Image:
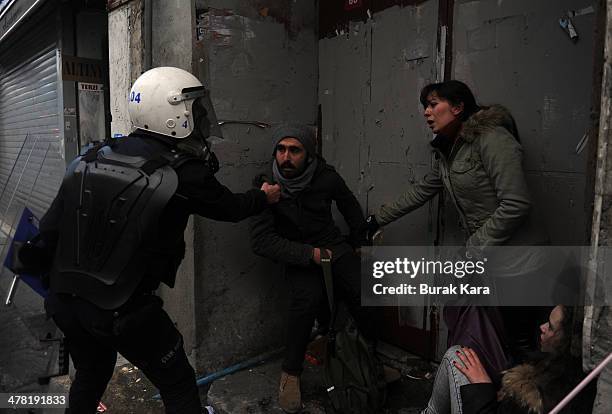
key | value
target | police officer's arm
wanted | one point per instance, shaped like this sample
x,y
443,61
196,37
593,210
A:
x,y
266,242
209,198
350,209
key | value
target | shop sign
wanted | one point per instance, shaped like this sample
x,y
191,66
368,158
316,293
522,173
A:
x,y
82,70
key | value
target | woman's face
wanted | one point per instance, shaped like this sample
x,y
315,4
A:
x,y
441,116
551,332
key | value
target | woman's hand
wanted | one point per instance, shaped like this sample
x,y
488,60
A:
x,y
371,227
472,368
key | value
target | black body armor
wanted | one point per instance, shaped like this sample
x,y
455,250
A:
x,y
112,204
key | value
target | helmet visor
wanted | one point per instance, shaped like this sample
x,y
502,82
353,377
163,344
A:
x,y
204,116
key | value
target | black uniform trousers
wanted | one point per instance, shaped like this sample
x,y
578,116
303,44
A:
x,y
142,332
308,301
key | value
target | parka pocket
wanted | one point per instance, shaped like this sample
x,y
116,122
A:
x,y
463,166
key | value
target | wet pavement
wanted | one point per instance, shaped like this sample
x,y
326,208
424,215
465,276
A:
x,y
23,357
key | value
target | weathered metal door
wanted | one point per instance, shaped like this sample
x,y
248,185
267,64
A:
x,y
373,131
516,53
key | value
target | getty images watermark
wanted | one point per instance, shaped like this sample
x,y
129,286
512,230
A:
x,y
504,276
418,268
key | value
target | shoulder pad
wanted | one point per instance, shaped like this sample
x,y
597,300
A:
x,y
178,158
106,154
92,153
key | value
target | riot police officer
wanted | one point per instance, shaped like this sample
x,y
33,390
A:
x,y
116,230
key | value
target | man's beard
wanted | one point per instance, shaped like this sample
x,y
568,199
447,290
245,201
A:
x,y
291,171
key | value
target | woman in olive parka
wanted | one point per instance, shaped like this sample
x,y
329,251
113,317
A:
x,y
479,165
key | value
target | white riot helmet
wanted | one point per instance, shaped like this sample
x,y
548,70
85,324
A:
x,y
172,102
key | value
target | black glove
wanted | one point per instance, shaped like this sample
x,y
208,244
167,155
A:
x,y
371,227
31,258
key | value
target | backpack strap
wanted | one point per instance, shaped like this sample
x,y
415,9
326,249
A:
x,y
329,283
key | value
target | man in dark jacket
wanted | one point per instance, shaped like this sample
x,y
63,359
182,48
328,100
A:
x,y
116,232
295,231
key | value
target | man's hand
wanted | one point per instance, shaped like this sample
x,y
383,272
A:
x,y
316,255
472,368
272,192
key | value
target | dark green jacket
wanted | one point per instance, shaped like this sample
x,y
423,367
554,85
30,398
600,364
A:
x,y
483,175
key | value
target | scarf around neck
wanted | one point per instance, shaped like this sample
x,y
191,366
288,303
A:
x,y
292,187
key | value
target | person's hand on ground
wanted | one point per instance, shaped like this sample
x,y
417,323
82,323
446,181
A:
x,y
471,366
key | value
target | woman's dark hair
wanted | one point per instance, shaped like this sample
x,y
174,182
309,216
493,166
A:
x,y
566,326
559,371
455,92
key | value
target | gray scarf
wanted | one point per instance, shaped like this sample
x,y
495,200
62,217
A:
x,y
292,187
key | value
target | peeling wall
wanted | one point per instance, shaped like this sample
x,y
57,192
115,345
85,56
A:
x,y
259,58
173,33
126,46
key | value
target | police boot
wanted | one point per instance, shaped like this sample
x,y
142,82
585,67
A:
x,y
289,395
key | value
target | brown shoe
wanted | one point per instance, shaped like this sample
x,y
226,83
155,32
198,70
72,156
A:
x,y
289,395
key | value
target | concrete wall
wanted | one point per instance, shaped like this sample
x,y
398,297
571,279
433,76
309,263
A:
x,y
126,48
172,41
259,58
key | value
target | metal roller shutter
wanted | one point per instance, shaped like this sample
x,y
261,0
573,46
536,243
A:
x,y
31,146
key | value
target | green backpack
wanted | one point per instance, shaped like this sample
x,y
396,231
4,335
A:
x,y
354,375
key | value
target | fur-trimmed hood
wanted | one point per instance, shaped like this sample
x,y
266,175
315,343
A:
x,y
487,118
531,388
521,384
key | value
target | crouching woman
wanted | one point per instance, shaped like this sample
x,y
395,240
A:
x,y
462,384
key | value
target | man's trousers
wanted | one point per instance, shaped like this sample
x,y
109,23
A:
x,y
142,332
308,298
